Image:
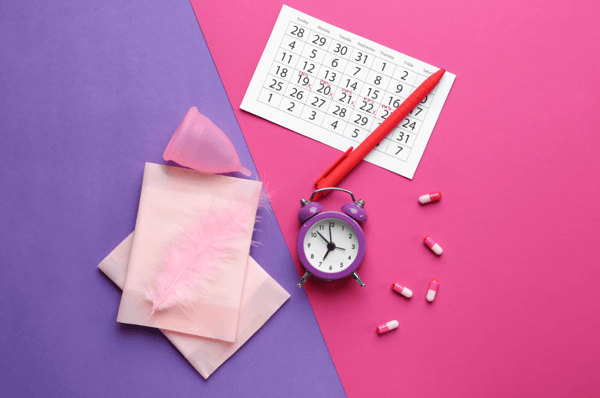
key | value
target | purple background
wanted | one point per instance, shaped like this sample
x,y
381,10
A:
x,y
88,93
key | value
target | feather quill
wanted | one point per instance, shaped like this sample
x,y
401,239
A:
x,y
198,252
263,205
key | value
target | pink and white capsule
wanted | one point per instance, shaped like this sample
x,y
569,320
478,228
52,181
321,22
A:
x,y
403,290
433,287
437,249
386,327
432,197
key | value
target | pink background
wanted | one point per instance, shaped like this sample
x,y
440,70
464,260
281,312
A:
x,y
516,155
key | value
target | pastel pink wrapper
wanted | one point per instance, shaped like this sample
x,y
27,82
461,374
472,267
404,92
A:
x,y
172,201
262,297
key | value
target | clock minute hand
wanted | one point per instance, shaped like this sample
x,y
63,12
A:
x,y
322,237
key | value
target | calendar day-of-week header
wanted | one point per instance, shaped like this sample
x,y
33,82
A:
x,y
366,47
324,29
304,21
386,55
345,38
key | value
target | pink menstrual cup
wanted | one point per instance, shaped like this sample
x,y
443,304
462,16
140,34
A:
x,y
200,145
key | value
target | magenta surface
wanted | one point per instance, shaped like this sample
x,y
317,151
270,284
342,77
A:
x,y
515,154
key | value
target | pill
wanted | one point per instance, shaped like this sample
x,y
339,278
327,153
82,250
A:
x,y
433,287
437,249
406,292
432,197
386,327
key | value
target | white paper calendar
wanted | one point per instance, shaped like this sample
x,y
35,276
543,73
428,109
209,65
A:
x,y
336,87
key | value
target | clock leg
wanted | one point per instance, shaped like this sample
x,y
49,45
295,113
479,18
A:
x,y
355,275
304,278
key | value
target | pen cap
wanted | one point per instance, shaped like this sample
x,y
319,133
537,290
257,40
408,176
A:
x,y
200,145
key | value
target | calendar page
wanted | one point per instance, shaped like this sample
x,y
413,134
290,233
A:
x,y
336,87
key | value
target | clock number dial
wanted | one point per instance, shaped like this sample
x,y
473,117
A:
x,y
331,245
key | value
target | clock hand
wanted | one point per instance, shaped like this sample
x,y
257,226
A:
x,y
326,254
340,248
330,240
322,237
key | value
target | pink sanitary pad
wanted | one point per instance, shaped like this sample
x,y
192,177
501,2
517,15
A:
x,y
183,212
261,297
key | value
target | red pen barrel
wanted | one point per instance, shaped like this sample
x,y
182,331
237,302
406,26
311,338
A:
x,y
348,161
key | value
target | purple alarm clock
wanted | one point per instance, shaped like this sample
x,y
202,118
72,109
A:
x,y
331,245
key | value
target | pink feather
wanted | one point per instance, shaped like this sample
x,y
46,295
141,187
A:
x,y
264,204
201,249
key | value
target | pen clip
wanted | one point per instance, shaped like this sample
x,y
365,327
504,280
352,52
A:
x,y
332,167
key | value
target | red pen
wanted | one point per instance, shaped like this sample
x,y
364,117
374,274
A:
x,y
334,174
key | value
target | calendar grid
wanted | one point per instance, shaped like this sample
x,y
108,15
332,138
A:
x,y
357,122
345,87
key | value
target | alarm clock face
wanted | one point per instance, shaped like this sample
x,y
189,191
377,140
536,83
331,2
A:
x,y
333,245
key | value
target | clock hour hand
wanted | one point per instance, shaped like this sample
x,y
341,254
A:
x,y
340,248
322,237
